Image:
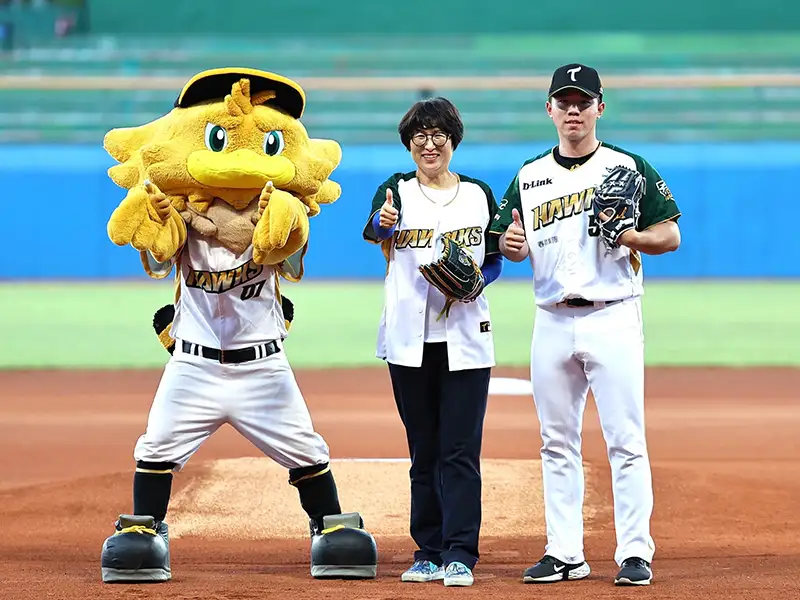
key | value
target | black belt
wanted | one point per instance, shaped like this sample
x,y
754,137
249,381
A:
x,y
239,355
580,302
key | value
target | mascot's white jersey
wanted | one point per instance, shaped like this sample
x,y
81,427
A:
x,y
226,301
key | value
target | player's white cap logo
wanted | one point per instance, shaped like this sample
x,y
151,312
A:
x,y
572,73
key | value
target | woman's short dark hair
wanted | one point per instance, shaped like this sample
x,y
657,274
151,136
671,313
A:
x,y
430,114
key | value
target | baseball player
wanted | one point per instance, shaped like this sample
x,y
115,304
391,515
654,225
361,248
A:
x,y
439,356
228,364
587,276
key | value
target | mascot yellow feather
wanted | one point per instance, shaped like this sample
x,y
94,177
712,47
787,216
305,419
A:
x,y
232,161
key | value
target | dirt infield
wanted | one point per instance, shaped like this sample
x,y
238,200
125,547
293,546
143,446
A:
x,y
725,449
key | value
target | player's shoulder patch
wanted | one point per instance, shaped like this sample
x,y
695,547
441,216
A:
x,y
664,190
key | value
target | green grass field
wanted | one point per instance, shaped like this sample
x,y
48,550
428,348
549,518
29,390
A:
x,y
109,325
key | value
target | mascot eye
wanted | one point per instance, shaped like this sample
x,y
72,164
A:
x,y
273,143
216,137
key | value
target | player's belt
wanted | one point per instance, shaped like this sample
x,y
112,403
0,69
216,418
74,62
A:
x,y
580,302
239,355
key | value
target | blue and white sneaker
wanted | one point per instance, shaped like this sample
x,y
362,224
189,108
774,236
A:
x,y
458,574
423,571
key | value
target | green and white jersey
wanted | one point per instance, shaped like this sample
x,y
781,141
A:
x,y
411,304
568,258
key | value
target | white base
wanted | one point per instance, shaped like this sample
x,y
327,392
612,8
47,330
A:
x,y
507,386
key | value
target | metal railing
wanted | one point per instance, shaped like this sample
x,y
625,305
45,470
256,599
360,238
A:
x,y
364,84
695,106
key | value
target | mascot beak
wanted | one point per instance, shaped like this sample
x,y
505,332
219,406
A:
x,y
241,169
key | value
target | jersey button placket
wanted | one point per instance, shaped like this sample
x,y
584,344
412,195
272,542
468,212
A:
x,y
571,261
422,292
437,210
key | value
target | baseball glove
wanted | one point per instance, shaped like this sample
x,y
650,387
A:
x,y
455,273
618,198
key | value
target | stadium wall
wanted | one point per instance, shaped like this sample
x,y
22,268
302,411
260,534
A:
x,y
736,201
364,17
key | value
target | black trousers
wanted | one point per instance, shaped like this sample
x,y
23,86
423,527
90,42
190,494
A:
x,y
443,413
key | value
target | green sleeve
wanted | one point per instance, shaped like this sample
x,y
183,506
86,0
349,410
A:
x,y
492,242
657,204
510,201
377,201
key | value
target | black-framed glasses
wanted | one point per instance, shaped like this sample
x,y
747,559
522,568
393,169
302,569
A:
x,y
439,138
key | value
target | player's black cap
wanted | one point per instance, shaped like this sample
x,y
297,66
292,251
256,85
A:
x,y
576,76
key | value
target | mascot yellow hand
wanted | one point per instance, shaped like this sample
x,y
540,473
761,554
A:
x,y
146,220
282,227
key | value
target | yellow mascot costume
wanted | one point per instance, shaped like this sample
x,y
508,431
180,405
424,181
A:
x,y
221,189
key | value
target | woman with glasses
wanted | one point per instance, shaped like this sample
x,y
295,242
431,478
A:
x,y
439,365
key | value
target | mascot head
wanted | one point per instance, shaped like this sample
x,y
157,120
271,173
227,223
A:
x,y
229,133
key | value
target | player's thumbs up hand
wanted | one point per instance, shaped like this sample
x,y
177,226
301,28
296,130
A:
x,y
263,199
514,237
388,215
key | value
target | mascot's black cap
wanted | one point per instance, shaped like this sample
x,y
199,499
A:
x,y
217,83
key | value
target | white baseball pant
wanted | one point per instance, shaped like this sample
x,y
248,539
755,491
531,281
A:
x,y
573,349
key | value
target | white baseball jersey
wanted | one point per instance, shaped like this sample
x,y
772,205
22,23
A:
x,y
411,304
226,300
569,260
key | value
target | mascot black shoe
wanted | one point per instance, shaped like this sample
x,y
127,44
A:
x,y
343,549
137,552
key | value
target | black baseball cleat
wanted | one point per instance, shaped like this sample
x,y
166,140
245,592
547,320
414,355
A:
x,y
550,570
634,571
137,552
343,549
